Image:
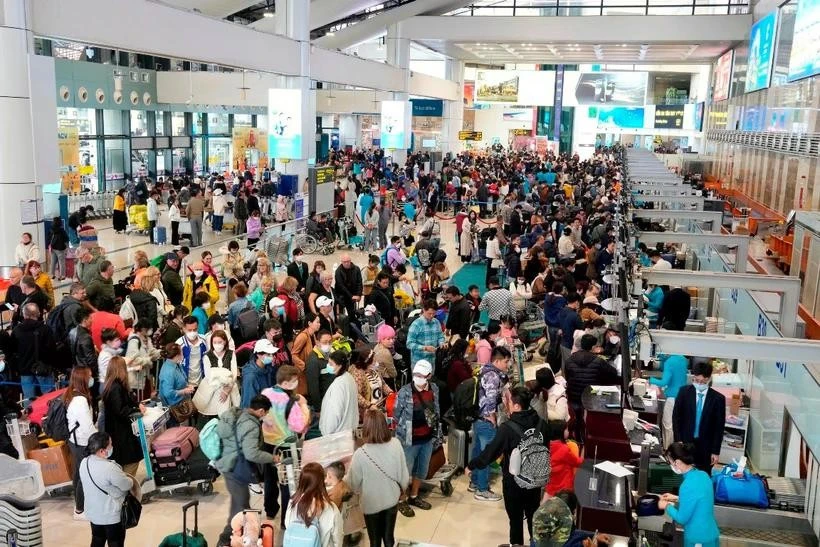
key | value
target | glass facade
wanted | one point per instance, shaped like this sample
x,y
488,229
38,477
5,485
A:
x,y
569,8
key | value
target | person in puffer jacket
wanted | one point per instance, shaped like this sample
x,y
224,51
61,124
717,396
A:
x,y
520,503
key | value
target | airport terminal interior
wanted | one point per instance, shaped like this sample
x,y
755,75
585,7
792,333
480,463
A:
x,y
412,273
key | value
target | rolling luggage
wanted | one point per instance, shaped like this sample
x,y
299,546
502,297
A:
x,y
174,445
160,235
437,461
39,407
186,539
457,447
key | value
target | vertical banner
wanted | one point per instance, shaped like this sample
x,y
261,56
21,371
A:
x,y
250,148
285,124
559,103
68,143
395,123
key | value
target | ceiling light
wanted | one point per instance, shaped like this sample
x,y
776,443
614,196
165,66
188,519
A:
x,y
623,45
330,33
267,13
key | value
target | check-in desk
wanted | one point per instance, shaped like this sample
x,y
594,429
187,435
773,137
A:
x,y
604,426
608,508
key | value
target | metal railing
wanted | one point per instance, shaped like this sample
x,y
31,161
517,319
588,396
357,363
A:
x,y
568,8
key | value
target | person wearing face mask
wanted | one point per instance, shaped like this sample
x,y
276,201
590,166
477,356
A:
x,y
340,407
173,382
105,486
317,374
199,282
201,304
383,354
417,418
218,392
694,506
26,250
298,270
141,356
257,374
395,254
675,369
78,402
111,347
698,417
370,384
194,349
288,418
119,404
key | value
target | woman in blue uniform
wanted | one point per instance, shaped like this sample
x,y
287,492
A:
x,y
694,507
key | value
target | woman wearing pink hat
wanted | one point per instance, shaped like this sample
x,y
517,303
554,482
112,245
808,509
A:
x,y
383,354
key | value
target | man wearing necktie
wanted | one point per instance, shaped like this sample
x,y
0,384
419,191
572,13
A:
x,y
699,417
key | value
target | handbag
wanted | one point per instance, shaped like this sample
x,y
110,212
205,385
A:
x,y
748,489
131,509
244,471
183,411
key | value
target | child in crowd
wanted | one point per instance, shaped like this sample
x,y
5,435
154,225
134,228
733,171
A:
x,y
337,489
564,459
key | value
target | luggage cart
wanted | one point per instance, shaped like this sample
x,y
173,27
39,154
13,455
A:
x,y
145,431
17,429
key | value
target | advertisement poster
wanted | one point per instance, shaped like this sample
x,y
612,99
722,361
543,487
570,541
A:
x,y
805,55
723,76
428,123
761,53
496,86
285,124
698,125
669,116
68,143
469,94
394,125
621,88
620,118
250,148
468,123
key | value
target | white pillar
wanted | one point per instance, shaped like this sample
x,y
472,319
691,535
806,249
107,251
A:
x,y
293,21
398,55
453,110
18,165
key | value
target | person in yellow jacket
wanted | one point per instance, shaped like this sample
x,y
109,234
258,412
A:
x,y
35,270
199,282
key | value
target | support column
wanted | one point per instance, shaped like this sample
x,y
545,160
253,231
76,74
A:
x,y
398,54
18,176
293,21
453,110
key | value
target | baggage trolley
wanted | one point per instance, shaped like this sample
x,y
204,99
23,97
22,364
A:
x,y
146,431
288,468
17,429
441,477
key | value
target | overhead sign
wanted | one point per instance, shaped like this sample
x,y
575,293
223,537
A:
x,y
669,116
804,60
285,123
470,136
324,175
723,76
428,107
522,132
761,53
395,123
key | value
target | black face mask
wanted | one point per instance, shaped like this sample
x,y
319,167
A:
x,y
276,338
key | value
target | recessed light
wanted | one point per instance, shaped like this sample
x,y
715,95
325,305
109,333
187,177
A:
x,y
267,13
623,45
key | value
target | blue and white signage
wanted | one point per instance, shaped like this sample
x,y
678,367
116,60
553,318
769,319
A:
x,y
804,60
285,124
394,124
761,53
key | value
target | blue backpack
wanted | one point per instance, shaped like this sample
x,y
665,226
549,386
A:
x,y
209,441
298,534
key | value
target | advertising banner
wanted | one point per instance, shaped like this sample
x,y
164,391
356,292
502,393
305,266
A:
x,y
615,88
285,124
496,86
761,53
470,135
394,122
804,60
620,118
669,116
468,123
723,76
428,123
469,94
559,102
428,107
68,143
249,143
698,125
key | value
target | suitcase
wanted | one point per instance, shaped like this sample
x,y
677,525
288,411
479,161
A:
x,y
530,331
174,445
457,447
268,535
39,407
160,235
437,461
185,539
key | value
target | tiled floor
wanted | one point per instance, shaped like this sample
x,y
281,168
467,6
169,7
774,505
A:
x,y
443,525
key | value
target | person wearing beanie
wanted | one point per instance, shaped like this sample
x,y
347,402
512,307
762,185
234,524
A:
x,y
383,354
417,418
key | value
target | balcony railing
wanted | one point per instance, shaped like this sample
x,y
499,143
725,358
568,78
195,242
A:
x,y
553,8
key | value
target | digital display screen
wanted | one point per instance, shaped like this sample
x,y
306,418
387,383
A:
x,y
805,55
761,53
620,117
395,115
723,76
285,124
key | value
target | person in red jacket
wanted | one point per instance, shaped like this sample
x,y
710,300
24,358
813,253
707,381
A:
x,y
564,461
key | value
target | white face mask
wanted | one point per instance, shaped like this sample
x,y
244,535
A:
x,y
218,347
419,382
675,469
325,348
206,306
109,452
90,382
614,340
2,366
198,273
193,335
701,388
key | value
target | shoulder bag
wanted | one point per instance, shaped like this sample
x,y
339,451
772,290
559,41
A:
x,y
383,472
131,507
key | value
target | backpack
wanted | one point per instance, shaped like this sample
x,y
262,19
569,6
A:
x,y
55,422
530,460
56,324
209,441
383,258
298,534
465,403
248,323
127,311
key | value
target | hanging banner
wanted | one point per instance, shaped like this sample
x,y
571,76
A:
x,y
394,124
559,103
68,143
761,53
468,122
469,94
723,76
285,124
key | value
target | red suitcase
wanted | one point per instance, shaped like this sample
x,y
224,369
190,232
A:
x,y
175,445
39,406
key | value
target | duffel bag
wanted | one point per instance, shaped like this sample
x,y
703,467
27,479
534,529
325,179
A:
x,y
746,489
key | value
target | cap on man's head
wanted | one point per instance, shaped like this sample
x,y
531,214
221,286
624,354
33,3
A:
x,y
423,367
171,256
264,346
323,301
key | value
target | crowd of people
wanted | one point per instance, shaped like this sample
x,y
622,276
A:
x,y
302,351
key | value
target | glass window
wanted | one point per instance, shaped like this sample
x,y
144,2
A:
x,y
219,155
160,123
178,124
199,128
199,166
262,121
180,161
217,124
84,118
140,163
116,152
242,120
162,167
112,122
139,123
88,164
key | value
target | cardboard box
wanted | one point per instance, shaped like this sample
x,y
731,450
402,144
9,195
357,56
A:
x,y
55,462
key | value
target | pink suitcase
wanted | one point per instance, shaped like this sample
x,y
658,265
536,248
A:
x,y
175,445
